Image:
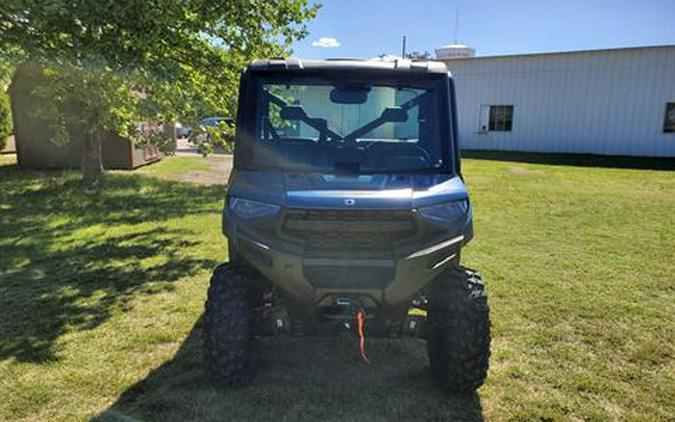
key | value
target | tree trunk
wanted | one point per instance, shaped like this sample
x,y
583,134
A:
x,y
92,160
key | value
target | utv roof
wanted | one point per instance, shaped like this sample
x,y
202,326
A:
x,y
297,65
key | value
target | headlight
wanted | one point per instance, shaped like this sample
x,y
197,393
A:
x,y
445,213
248,209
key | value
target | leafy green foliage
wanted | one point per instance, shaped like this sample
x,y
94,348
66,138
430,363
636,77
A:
x,y
5,119
120,62
89,101
9,57
207,138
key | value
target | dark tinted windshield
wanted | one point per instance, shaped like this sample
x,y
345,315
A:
x,y
350,125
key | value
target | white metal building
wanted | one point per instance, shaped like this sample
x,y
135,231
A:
x,y
611,102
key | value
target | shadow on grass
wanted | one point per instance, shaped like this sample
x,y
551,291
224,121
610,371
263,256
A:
x,y
70,257
299,379
578,160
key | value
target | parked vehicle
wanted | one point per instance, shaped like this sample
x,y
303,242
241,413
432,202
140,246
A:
x,y
209,124
347,211
183,131
213,121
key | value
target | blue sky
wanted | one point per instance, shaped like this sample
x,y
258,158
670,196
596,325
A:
x,y
366,28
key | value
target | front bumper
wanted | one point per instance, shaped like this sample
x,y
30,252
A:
x,y
300,276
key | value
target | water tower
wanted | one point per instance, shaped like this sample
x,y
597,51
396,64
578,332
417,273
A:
x,y
454,51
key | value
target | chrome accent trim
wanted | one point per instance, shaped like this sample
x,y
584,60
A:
x,y
436,247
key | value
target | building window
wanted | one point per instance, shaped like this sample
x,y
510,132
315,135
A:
x,y
669,119
501,118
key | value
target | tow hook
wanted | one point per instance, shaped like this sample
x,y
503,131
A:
x,y
359,323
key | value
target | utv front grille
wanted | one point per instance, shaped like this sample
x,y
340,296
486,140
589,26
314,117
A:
x,y
368,277
338,234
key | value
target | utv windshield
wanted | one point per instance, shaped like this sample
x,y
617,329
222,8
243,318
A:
x,y
347,125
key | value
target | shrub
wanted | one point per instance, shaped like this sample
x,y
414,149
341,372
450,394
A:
x,y
5,119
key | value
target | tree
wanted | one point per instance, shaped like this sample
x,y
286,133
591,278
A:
x,y
120,62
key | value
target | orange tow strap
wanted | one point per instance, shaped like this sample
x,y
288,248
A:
x,y
360,322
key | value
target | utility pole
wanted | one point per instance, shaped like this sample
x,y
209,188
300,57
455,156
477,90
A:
x,y
403,49
456,23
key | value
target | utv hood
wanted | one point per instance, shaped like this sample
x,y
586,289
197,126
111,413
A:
x,y
338,191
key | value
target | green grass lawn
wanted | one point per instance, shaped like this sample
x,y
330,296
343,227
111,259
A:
x,y
101,295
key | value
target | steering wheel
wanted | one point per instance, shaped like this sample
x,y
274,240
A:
x,y
389,151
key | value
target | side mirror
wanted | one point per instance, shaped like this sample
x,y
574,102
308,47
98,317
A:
x,y
394,114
